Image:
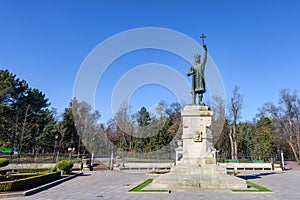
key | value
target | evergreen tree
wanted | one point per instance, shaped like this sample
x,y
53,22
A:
x,y
24,112
263,146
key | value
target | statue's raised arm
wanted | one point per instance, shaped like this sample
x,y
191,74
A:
x,y
202,65
205,54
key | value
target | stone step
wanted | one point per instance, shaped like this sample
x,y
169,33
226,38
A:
x,y
168,181
199,169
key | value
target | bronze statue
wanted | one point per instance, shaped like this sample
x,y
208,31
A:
x,y
197,72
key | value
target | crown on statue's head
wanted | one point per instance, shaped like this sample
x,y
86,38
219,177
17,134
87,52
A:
x,y
197,57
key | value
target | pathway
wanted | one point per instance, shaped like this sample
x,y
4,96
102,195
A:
x,y
292,165
114,185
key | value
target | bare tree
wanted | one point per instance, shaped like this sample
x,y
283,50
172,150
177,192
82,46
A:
x,y
125,124
24,127
85,120
219,117
236,102
286,117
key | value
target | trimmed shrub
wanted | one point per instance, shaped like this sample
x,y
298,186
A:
x,y
221,160
65,165
4,162
2,177
4,171
53,169
12,177
32,170
30,182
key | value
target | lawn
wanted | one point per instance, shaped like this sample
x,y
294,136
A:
x,y
141,186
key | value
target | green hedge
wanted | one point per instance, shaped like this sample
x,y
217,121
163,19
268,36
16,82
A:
x,y
30,182
33,170
244,160
4,162
53,169
221,160
65,165
4,171
12,177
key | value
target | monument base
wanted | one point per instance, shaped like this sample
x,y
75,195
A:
x,y
207,176
197,168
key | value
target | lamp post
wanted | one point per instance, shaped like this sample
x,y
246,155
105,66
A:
x,y
55,142
70,152
92,159
216,155
57,152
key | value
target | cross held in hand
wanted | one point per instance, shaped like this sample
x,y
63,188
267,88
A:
x,y
202,37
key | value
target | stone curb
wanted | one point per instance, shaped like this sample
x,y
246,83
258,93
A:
x,y
40,188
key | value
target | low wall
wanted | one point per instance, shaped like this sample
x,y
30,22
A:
x,y
247,166
146,166
29,165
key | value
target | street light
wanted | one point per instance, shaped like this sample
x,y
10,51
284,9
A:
x,y
56,137
57,152
92,159
70,152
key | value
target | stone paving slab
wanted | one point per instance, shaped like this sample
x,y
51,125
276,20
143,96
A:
x,y
115,185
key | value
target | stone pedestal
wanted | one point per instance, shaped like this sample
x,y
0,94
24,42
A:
x,y
197,137
197,168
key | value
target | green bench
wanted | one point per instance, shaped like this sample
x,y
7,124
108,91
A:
x,y
257,161
6,150
232,161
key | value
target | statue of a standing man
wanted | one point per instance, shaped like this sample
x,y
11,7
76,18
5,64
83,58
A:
x,y
198,79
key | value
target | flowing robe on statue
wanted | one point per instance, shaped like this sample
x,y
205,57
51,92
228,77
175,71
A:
x,y
198,80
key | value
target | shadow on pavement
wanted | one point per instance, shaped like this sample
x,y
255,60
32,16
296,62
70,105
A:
x,y
85,174
255,176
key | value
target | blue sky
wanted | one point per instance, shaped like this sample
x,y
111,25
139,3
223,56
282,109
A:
x,y
255,45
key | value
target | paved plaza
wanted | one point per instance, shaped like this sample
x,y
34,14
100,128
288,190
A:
x,y
115,185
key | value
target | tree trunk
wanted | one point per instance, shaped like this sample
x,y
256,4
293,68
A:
x,y
235,149
36,154
294,151
23,132
231,143
298,142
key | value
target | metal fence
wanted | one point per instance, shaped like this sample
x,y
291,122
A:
x,y
158,156
41,158
249,157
